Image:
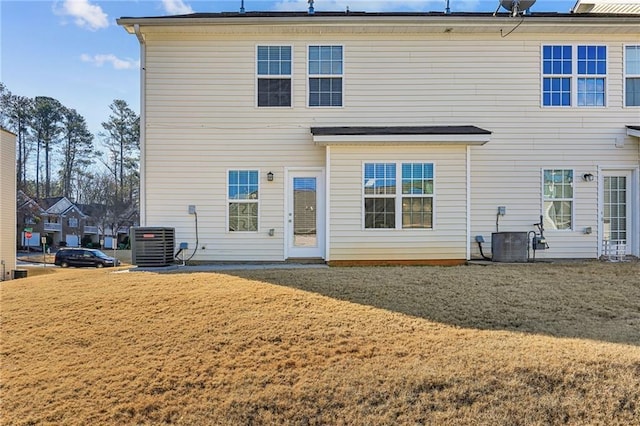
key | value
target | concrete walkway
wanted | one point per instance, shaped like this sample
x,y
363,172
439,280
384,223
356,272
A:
x,y
221,267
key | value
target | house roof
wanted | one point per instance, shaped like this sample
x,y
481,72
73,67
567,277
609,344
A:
x,y
466,135
24,201
457,22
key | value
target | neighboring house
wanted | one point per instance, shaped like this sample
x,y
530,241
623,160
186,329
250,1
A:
x,y
65,223
7,206
607,6
405,132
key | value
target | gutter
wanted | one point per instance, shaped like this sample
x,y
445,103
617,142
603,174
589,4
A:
x,y
386,24
143,126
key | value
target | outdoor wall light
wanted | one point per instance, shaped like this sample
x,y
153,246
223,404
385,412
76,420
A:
x,y
587,177
270,176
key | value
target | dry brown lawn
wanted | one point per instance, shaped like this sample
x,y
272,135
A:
x,y
532,344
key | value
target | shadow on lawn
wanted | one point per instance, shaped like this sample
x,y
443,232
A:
x,y
591,300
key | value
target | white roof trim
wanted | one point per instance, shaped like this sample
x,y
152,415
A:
x,y
457,139
633,132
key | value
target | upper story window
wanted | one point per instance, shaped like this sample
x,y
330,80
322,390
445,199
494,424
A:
x,y
325,76
242,199
73,222
274,76
558,198
632,75
574,75
398,195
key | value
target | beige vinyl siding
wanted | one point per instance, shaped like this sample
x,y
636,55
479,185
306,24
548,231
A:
x,y
7,203
349,239
201,120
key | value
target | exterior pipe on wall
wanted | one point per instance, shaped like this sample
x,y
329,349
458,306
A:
x,y
143,84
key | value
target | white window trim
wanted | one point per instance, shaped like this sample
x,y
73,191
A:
x,y
573,199
398,196
574,76
230,200
625,75
325,76
269,76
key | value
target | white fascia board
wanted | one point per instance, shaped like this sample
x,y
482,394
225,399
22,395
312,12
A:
x,y
476,140
633,132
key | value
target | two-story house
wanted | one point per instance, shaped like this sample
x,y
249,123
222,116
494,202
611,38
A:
x,y
7,207
357,137
60,221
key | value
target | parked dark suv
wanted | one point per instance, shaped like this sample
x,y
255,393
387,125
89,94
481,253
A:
x,y
84,257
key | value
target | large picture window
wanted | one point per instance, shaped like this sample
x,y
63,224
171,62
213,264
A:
x,y
242,198
574,75
558,198
407,188
632,75
325,76
274,76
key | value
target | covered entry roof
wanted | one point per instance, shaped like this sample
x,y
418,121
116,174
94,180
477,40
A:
x,y
633,131
366,135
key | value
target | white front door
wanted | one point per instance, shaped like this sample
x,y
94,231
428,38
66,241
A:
x,y
305,213
616,215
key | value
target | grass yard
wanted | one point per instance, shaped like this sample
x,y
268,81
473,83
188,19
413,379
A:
x,y
530,344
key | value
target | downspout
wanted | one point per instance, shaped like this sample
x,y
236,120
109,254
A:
x,y
143,127
468,177
327,205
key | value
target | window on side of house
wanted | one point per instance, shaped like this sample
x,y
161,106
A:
x,y
592,71
326,73
242,199
417,195
632,76
574,76
558,199
379,195
274,73
73,222
398,195
556,70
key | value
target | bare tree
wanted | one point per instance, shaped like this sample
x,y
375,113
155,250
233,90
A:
x,y
122,140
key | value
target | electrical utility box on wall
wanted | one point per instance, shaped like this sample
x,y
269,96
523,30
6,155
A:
x,y
152,246
509,246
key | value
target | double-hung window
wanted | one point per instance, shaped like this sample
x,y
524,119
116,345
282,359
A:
x,y
417,195
632,75
274,76
242,199
398,195
325,76
574,75
558,198
380,195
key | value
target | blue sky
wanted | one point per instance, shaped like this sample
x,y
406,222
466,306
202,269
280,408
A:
x,y
74,51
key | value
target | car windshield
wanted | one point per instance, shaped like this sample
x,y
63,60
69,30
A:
x,y
101,255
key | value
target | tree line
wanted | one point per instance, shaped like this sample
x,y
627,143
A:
x,y
57,155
